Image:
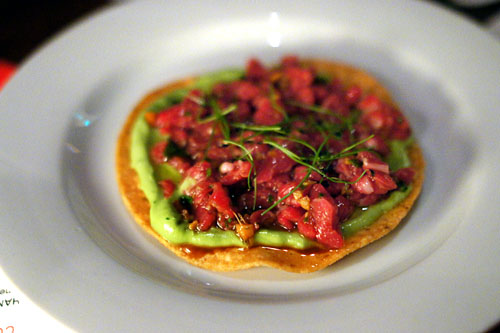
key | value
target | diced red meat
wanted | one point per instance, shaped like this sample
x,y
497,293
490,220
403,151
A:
x,y
336,145
384,119
298,78
372,162
370,103
289,216
377,144
180,164
406,175
204,213
345,207
276,182
305,95
242,112
324,217
290,61
335,103
284,190
319,191
383,182
173,117
205,216
255,70
352,95
275,163
157,152
192,104
245,91
377,120
168,187
223,91
200,192
306,228
179,136
299,124
258,219
257,150
233,172
364,185
347,170
301,171
265,198
220,200
375,182
335,86
401,129
223,153
335,188
364,200
199,171
265,113
166,119
320,93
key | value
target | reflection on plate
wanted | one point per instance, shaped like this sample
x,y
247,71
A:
x,y
58,170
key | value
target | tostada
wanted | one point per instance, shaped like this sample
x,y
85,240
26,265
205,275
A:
x,y
291,166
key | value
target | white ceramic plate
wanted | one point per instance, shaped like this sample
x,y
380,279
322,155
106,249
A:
x,y
68,242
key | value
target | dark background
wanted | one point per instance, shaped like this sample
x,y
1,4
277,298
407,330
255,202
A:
x,y
25,25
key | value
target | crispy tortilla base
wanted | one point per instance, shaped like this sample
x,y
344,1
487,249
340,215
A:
x,y
231,259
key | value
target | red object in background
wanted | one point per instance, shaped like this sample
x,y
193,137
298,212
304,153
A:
x,y
7,69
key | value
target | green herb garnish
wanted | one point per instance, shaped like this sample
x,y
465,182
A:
x,y
217,112
259,128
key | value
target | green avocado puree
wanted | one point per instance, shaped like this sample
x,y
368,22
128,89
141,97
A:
x,y
166,221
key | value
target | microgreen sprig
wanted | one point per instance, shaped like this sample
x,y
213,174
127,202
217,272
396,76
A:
x,y
218,113
355,144
259,128
302,142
